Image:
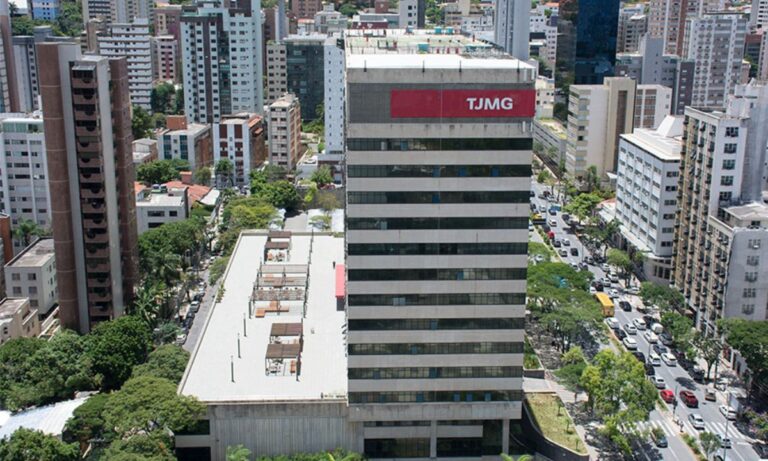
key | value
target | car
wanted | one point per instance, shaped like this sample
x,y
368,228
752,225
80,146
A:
x,y
630,329
612,323
563,252
620,334
552,212
194,306
659,439
689,398
696,421
181,339
657,328
614,278
533,194
211,259
725,442
605,281
589,260
639,324
651,337
709,394
553,223
654,359
199,296
667,395
530,226
669,359
630,343
534,207
582,265
557,243
613,293
638,355
566,217
575,266
649,370
648,319
592,290
606,267
538,258
542,208
566,242
659,382
625,306
598,285
728,412
575,252
666,339
633,290
659,349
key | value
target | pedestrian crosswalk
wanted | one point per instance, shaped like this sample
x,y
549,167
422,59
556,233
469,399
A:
x,y
671,429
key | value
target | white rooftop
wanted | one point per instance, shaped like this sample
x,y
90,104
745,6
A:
x,y
664,142
431,61
49,419
323,371
174,197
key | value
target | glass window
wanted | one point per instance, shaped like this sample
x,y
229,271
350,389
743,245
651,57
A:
x,y
441,299
437,324
436,144
439,197
435,348
436,223
437,274
437,248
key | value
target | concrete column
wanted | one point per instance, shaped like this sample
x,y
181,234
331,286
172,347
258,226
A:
x,y
433,440
505,436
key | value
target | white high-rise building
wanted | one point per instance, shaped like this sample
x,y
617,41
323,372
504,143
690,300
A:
x,y
334,97
715,43
513,27
132,41
652,104
540,23
411,13
221,54
758,17
667,20
24,191
633,24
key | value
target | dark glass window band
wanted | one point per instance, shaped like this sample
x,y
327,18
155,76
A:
x,y
436,223
439,197
361,275
436,299
389,144
434,372
436,324
383,249
435,348
438,171
435,396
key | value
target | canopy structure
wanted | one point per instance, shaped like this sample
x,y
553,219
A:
x,y
285,329
340,285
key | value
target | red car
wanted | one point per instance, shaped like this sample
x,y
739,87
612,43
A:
x,y
689,399
667,395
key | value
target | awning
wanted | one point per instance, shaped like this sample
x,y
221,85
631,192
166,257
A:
x,y
279,234
340,288
277,245
283,351
286,329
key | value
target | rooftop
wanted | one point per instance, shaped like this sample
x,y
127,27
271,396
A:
x,y
173,197
49,419
35,255
664,142
263,371
195,192
749,212
9,306
192,129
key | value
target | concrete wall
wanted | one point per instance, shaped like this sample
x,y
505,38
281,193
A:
x,y
544,446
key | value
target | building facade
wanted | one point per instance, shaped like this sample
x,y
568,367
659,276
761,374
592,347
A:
x,y
633,24
411,13
667,20
165,58
277,71
132,41
333,104
161,205
27,68
513,27
88,140
285,132
17,319
652,104
32,274
306,9
222,63
167,20
242,139
305,62
45,10
186,141
436,221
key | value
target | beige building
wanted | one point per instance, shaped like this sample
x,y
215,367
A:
x,y
32,274
17,319
285,131
277,71
652,104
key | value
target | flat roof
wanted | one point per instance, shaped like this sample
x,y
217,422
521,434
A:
x,y
751,211
432,61
174,197
35,255
9,306
323,362
653,142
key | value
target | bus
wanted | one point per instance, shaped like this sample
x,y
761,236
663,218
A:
x,y
605,303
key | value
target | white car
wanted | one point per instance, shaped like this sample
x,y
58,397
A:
x,y
613,293
566,243
654,359
669,359
639,323
728,412
696,421
659,382
630,343
592,290
606,268
552,223
725,442
651,337
612,323
614,278
630,329
181,339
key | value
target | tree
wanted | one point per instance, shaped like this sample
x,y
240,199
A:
x,y
141,123
322,176
217,269
709,349
203,176
348,9
679,327
583,206
150,446
620,259
87,422
574,355
281,194
25,229
238,453
592,179
115,347
14,366
69,21
224,171
22,25
322,221
327,202
179,105
147,402
26,445
161,99
158,171
543,176
168,361
664,297
750,338
709,442
537,248
145,304
619,393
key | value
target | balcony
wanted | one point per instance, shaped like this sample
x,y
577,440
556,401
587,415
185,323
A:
x,y
100,311
83,82
102,268
92,193
103,297
88,160
86,146
92,207
99,282
93,237
87,98
95,223
90,178
95,250
87,131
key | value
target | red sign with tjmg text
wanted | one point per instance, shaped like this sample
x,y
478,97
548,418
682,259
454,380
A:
x,y
462,103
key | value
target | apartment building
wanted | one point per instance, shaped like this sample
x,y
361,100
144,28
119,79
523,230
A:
x,y
715,43
167,19
305,62
512,23
277,71
285,132
306,9
24,177
330,21
241,138
333,99
646,193
633,24
144,151
165,58
667,20
159,205
758,17
185,141
9,93
45,10
652,104
88,140
411,13
437,213
546,26
32,274
26,66
545,97
132,41
17,320
118,11
222,63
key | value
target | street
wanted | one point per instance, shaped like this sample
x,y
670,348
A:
x,y
676,377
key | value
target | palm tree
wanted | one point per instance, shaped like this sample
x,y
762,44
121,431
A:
x,y
165,267
145,304
506,457
225,168
25,229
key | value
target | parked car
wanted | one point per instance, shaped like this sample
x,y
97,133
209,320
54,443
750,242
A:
x,y
181,339
557,243
620,334
612,323
659,439
630,343
630,329
614,293
614,277
728,412
552,223
639,324
606,267
625,306
563,252
589,260
698,374
659,382
592,290
709,394
654,359
566,242
689,398
669,359
194,306
651,337
553,212
667,395
657,328
574,251
666,339
696,421
660,349
638,355
649,370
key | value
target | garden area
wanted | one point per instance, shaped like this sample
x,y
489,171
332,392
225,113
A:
x,y
554,421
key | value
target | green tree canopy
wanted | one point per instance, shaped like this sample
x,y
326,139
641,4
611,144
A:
x,y
161,98
750,338
168,361
151,446
117,346
147,402
160,171
203,176
322,176
664,297
25,230
26,445
620,260
583,206
141,123
710,443
281,194
87,422
678,326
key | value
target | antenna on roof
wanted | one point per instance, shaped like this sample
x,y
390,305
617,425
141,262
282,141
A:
x,y
423,66
459,66
238,346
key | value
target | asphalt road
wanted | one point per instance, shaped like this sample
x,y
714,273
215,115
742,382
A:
x,y
676,377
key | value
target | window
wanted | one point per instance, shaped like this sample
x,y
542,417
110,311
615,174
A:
x,y
753,260
432,396
17,291
748,309
440,144
725,196
435,372
437,274
437,171
749,293
436,223
726,181
16,277
670,202
750,276
754,243
435,348
436,299
440,197
732,131
31,277
437,248
33,290
729,164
